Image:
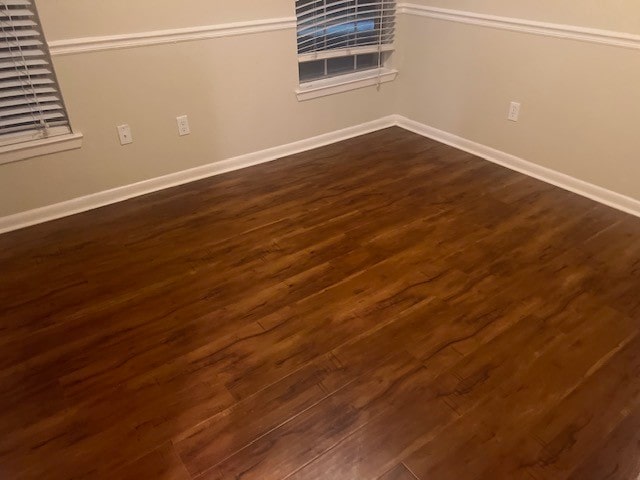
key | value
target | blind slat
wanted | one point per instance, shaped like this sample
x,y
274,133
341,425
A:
x,y
18,134
19,63
17,44
26,90
18,33
26,83
13,13
314,7
21,71
18,22
344,52
347,32
23,53
19,3
31,108
26,98
29,119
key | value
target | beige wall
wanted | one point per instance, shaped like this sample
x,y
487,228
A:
x,y
580,101
64,19
238,92
619,15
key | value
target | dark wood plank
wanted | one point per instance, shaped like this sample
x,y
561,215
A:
x,y
161,464
286,449
209,443
400,472
617,457
382,308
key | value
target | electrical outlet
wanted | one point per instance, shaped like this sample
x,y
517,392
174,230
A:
x,y
124,132
183,125
514,111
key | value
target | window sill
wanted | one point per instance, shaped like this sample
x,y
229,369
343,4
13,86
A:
x,y
344,83
35,148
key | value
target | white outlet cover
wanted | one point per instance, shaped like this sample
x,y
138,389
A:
x,y
124,132
183,125
514,111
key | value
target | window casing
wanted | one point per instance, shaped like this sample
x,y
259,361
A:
x,y
338,37
31,105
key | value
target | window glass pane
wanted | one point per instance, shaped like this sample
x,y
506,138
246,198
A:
x,y
369,60
311,70
336,66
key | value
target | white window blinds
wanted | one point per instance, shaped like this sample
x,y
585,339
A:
x,y
31,106
339,36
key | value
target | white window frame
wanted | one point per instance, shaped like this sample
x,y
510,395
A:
x,y
36,148
345,83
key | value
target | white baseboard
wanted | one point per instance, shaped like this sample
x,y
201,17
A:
x,y
566,182
108,197
100,199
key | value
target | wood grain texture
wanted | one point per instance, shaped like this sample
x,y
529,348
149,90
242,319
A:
x,y
383,308
400,472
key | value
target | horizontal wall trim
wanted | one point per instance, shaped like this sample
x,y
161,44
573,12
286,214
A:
x,y
566,182
159,37
547,29
108,197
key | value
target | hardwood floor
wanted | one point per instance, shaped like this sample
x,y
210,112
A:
x,y
384,308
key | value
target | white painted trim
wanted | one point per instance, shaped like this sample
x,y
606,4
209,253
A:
x,y
566,182
108,197
345,52
36,148
344,83
32,135
159,37
100,199
547,29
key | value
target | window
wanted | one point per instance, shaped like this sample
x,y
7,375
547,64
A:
x,y
338,37
31,107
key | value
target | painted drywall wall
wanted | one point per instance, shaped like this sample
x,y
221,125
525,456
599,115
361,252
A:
x,y
238,92
66,19
618,15
579,100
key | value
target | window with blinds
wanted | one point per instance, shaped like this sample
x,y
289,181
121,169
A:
x,y
31,106
336,37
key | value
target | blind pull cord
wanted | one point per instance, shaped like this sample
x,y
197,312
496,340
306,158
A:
x,y
380,27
